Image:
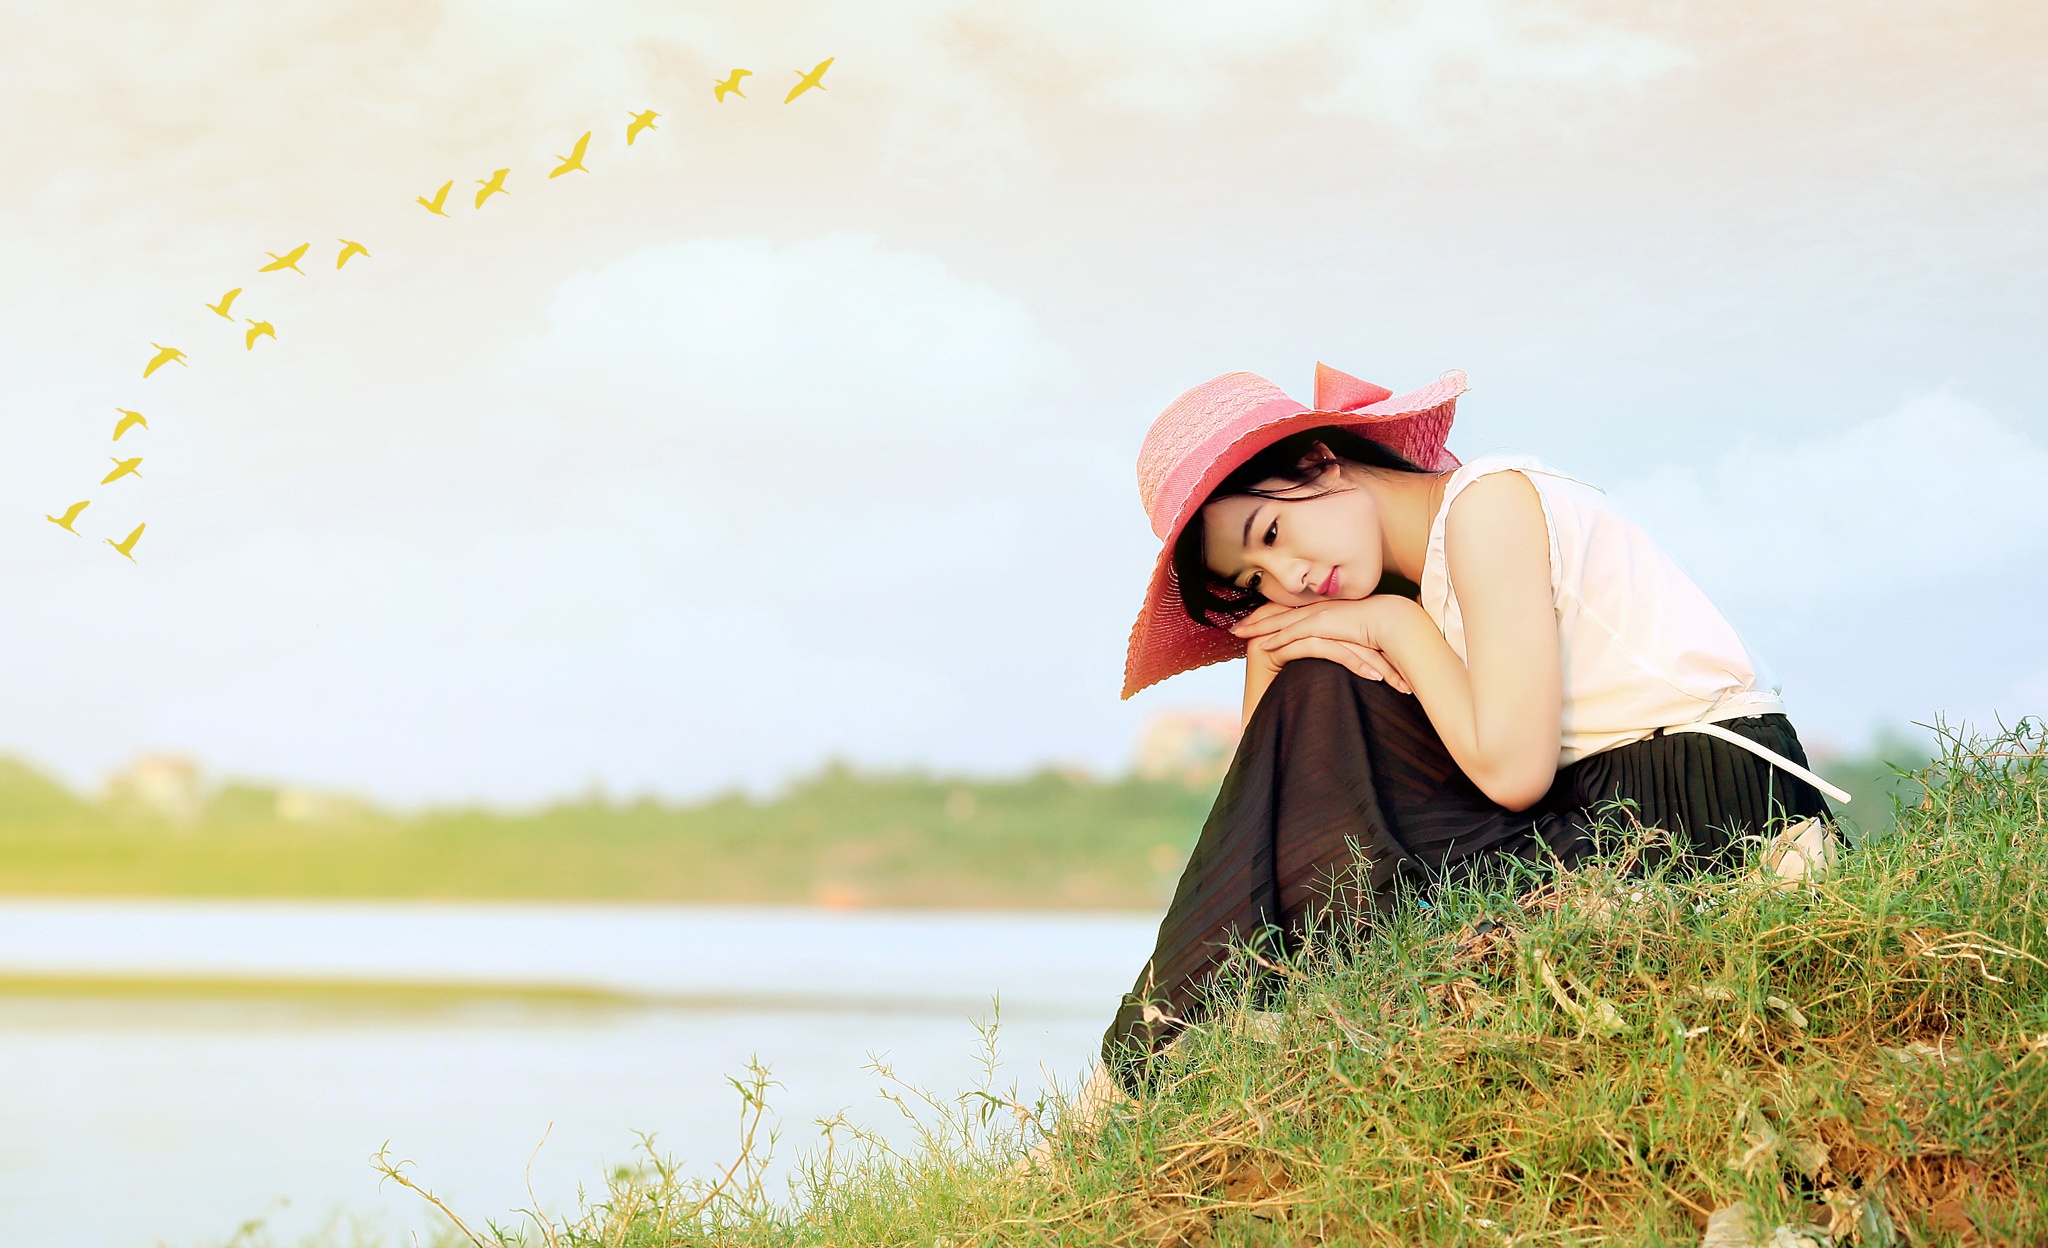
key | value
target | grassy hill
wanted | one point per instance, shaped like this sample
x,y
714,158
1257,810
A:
x,y
1859,1061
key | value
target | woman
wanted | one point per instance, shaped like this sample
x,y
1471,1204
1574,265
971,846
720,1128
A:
x,y
1447,666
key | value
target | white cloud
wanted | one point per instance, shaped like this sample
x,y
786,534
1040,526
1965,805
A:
x,y
1411,63
1938,489
737,507
1892,571
158,121
832,338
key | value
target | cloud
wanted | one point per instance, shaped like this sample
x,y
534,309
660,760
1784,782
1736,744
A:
x,y
1937,490
214,114
1895,570
732,508
739,340
847,444
1406,63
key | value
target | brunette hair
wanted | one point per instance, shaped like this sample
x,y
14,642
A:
x,y
1214,600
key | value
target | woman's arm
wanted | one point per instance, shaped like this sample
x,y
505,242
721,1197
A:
x,y
1500,712
1261,665
1259,671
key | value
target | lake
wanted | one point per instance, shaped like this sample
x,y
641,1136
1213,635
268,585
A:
x,y
169,1075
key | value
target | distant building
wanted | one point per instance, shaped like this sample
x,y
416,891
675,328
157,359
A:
x,y
299,805
167,785
1191,746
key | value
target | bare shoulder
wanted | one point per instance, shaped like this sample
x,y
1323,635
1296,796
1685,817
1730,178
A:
x,y
1498,506
1496,541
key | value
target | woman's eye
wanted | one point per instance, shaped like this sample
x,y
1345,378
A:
x,y
1272,533
1253,584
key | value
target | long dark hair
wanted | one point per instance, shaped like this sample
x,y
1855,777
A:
x,y
1214,600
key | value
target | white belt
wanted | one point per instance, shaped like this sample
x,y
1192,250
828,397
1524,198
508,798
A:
x,y
1770,756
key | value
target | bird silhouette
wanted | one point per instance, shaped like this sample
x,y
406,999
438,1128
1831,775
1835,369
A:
x,y
126,544
813,79
289,260
494,186
128,421
258,329
164,355
349,249
122,468
641,121
574,160
731,84
440,197
64,521
226,301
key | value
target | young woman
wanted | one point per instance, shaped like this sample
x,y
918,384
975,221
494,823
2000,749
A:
x,y
1447,666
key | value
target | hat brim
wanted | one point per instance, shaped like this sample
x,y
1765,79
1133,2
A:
x,y
1164,640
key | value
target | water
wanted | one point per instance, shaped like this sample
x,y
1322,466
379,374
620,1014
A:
x,y
135,1120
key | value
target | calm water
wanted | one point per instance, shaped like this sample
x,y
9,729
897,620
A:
x,y
139,1121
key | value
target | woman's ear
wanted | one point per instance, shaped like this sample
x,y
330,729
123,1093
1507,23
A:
x,y
1320,461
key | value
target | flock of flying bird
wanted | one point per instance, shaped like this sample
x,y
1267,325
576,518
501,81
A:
x,y
436,204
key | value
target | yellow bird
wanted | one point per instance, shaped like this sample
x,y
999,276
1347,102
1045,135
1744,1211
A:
x,y
257,329
349,249
731,84
122,468
128,421
641,121
226,301
164,355
289,260
574,160
440,197
813,79
495,186
126,544
64,521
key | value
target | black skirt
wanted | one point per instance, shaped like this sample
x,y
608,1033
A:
x,y
1341,778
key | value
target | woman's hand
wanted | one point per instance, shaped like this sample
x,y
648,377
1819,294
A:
x,y
1350,632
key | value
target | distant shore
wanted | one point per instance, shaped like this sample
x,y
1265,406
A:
x,y
837,839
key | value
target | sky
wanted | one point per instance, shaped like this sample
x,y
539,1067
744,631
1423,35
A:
x,y
805,431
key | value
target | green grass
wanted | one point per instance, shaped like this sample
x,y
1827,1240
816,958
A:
x,y
1627,1053
835,838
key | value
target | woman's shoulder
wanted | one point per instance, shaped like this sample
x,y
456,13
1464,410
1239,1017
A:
x,y
1505,495
1473,470
1496,516
1516,477
1491,490
1497,512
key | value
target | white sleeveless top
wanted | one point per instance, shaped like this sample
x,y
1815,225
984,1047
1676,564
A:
x,y
1643,647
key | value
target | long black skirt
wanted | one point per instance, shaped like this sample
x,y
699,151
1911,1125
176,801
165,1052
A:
x,y
1339,778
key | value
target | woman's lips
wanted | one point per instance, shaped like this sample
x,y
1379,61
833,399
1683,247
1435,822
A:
x,y
1329,587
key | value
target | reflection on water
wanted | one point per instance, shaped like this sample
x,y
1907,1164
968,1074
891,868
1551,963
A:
x,y
141,1119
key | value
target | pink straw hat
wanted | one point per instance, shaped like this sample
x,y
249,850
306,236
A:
x,y
1206,433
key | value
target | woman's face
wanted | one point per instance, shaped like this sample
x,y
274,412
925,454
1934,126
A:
x,y
1299,550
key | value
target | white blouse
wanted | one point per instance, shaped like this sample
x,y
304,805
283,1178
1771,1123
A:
x,y
1643,647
